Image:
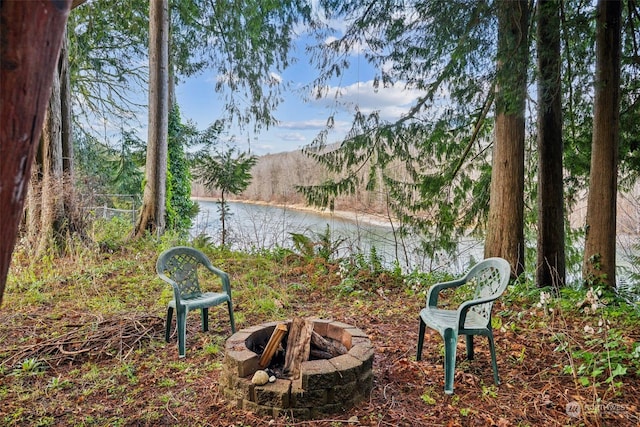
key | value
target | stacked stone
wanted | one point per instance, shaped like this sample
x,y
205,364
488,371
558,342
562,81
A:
x,y
324,386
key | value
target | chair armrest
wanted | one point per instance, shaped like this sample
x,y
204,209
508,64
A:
x,y
224,277
174,285
465,306
432,295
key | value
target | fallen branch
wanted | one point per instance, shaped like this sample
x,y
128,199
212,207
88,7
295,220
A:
x,y
114,337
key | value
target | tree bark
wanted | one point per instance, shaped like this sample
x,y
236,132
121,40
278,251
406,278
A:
x,y
51,185
600,242
152,215
65,109
505,235
30,38
223,217
550,268
51,192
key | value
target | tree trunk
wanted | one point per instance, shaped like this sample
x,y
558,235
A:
x,y
65,104
30,39
152,215
52,187
223,217
50,202
600,244
505,235
33,205
550,268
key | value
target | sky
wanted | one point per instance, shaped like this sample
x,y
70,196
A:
x,y
300,120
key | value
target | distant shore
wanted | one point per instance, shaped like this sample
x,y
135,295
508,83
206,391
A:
x,y
356,217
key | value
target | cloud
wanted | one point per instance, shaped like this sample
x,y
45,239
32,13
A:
x,y
392,102
313,124
353,48
292,137
274,79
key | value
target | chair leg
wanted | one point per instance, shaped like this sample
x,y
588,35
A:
x,y
470,347
205,319
420,339
233,322
167,330
181,317
494,363
450,340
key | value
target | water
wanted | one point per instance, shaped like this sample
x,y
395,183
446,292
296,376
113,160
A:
x,y
252,226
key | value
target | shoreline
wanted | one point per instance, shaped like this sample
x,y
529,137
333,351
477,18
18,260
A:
x,y
356,217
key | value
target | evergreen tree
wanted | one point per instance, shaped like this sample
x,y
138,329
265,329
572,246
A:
x,y
227,171
107,42
32,56
152,213
550,267
433,162
505,225
600,243
246,42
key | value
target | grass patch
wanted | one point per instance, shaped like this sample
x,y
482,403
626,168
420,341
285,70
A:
x,y
83,343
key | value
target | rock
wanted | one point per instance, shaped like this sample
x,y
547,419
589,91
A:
x,y
260,378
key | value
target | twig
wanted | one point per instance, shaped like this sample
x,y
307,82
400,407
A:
x,y
169,411
99,339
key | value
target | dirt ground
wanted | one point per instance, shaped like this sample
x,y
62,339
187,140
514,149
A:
x,y
121,372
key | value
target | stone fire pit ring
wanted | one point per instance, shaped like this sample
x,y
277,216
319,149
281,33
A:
x,y
324,386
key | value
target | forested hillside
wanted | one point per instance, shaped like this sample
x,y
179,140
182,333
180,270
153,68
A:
x,y
275,177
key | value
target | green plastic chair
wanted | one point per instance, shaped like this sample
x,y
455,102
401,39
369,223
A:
x,y
178,266
489,279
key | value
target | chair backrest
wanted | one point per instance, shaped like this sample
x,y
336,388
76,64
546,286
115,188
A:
x,y
180,264
490,278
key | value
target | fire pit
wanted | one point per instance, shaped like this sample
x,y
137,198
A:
x,y
323,386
